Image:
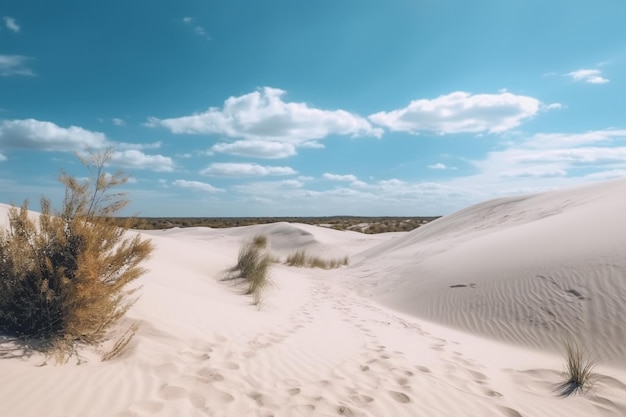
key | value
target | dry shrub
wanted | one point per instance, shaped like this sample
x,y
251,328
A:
x,y
64,278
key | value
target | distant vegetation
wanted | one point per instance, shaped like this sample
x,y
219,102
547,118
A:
x,y
368,225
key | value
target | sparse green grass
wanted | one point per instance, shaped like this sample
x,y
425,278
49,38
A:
x,y
301,259
578,373
252,266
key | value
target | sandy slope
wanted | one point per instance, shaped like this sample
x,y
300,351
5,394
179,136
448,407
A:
x,y
319,348
531,270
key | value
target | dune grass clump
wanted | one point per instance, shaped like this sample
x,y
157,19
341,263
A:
x,y
252,266
578,372
301,259
64,277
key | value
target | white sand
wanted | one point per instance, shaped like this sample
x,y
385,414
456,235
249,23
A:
x,y
465,316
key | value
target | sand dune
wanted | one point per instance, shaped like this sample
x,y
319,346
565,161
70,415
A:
x,y
530,270
462,317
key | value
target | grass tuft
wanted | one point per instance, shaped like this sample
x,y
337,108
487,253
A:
x,y
578,373
303,260
252,266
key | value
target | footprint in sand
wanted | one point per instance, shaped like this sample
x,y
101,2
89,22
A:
x,y
172,392
167,371
257,397
209,375
149,406
478,376
197,400
402,381
213,395
509,412
400,397
361,399
492,393
231,365
302,409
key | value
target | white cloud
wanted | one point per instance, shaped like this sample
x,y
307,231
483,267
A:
x,y
47,136
359,184
438,165
245,170
119,122
312,144
590,76
461,112
542,172
606,175
138,160
569,140
11,24
197,185
292,183
256,149
264,116
389,196
586,155
14,65
394,182
335,177
138,146
545,161
199,30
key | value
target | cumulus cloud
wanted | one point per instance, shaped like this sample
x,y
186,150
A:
x,y
264,116
11,24
438,165
461,112
47,136
225,169
545,161
256,149
292,183
590,76
138,160
335,177
197,185
14,65
119,122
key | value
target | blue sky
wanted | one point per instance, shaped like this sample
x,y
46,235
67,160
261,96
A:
x,y
289,107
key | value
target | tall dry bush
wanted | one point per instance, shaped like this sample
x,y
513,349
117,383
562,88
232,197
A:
x,y
64,276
